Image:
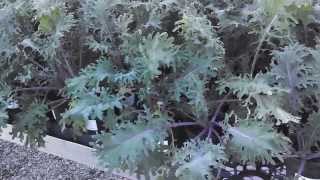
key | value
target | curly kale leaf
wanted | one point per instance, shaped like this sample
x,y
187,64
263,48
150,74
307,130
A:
x,y
90,77
253,141
99,18
90,106
291,69
196,159
267,106
194,89
281,14
194,26
97,13
53,18
32,122
244,86
54,22
44,7
13,26
154,51
131,143
204,49
267,97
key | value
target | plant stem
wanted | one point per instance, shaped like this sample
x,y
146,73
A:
x,y
264,36
172,139
36,89
211,130
214,117
301,167
201,133
56,101
58,105
313,156
218,174
228,100
69,67
209,133
181,124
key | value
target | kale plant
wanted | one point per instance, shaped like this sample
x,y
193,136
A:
x,y
184,89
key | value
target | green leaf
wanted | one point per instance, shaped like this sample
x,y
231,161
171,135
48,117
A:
x,y
32,122
90,106
90,77
155,51
45,24
267,97
302,11
246,86
155,165
49,22
194,26
272,7
129,144
54,21
194,89
46,6
291,69
273,106
253,141
197,158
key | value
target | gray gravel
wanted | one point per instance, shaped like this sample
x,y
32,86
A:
x,y
22,163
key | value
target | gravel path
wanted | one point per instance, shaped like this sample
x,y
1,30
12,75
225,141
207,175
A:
x,y
21,163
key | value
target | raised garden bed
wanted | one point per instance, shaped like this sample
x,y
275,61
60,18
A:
x,y
179,89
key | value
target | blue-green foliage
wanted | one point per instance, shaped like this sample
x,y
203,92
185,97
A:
x,y
131,143
4,103
32,122
196,158
145,67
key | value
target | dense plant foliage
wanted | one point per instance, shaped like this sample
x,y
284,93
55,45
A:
x,y
225,83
